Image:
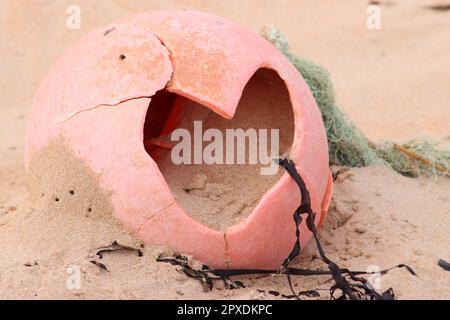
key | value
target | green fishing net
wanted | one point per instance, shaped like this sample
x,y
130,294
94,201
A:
x,y
348,146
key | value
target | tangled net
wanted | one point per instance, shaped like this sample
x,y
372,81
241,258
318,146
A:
x,y
348,146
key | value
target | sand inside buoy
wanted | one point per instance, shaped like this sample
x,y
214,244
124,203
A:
x,y
222,195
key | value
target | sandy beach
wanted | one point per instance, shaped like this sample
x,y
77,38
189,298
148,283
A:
x,y
394,83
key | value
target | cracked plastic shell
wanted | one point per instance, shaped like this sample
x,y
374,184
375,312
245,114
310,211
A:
x,y
96,97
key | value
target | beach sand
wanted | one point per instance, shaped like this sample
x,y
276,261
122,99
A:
x,y
394,83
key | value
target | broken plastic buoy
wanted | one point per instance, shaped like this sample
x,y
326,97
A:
x,y
111,100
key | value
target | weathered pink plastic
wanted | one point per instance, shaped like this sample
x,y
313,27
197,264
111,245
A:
x,y
97,95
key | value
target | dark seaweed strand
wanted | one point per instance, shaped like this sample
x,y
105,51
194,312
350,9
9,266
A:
x,y
361,288
305,203
444,264
207,275
305,208
294,271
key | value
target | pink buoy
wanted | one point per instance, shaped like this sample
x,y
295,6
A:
x,y
113,99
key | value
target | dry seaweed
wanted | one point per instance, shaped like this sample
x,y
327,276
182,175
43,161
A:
x,y
205,275
307,293
347,283
115,246
100,265
381,3
31,264
439,7
340,171
444,264
109,31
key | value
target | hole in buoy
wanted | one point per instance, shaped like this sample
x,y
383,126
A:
x,y
56,199
122,57
220,195
72,192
